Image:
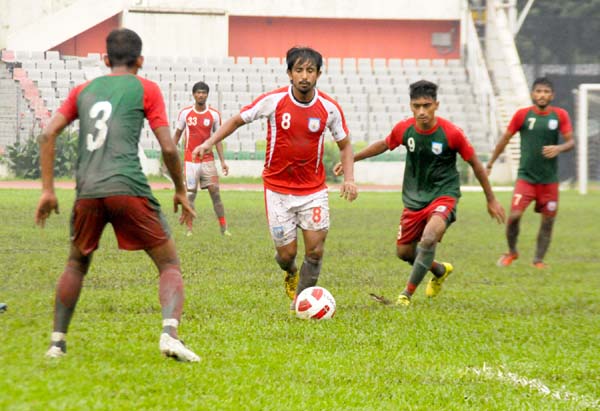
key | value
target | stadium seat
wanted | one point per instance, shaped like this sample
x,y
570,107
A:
x,y
8,56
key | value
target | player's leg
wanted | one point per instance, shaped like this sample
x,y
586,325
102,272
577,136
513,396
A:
x,y
285,256
547,205
192,173
425,253
313,219
314,242
139,225
171,296
543,240
282,222
523,195
68,289
87,223
215,196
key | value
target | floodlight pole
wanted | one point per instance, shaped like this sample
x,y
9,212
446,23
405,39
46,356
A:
x,y
522,17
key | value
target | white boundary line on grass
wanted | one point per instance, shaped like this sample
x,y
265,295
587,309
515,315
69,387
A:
x,y
503,375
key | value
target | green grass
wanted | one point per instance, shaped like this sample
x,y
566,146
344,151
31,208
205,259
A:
x,y
450,353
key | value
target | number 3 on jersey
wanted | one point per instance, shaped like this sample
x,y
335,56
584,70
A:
x,y
100,111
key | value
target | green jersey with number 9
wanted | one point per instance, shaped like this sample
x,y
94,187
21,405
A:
x,y
430,171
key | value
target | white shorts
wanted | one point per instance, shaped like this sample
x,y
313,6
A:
x,y
204,173
286,212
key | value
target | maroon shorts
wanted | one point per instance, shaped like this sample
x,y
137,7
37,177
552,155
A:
x,y
138,224
412,223
545,196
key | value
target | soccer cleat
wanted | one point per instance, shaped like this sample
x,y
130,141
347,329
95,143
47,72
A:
x,y
540,265
434,286
174,348
403,300
290,281
57,350
226,233
506,259
188,233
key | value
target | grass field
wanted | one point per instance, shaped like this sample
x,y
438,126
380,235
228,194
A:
x,y
495,339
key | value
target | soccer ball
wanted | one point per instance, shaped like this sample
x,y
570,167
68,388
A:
x,y
315,303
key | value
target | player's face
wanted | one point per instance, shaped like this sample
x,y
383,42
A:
x,y
542,95
304,77
423,109
200,97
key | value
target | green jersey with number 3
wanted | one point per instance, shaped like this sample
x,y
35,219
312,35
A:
x,y
111,111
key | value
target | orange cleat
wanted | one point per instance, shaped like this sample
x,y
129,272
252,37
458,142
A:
x,y
506,259
540,265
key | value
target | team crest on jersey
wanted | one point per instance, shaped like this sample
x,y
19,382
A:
x,y
206,122
314,124
553,124
436,148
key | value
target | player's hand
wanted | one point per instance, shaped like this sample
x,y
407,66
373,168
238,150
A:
x,y
200,150
225,168
338,170
488,169
187,212
496,211
349,191
550,151
48,203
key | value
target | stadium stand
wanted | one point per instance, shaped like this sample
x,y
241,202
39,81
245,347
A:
x,y
372,92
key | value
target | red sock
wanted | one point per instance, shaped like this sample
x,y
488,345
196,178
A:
x,y
222,222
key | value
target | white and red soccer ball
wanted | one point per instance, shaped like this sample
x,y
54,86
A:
x,y
315,303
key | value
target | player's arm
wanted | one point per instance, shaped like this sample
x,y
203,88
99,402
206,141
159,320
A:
x,y
499,149
227,129
348,189
171,160
495,209
372,150
177,136
554,150
47,140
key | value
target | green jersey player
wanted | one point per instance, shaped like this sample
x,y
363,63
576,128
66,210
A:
x,y
431,186
537,180
111,187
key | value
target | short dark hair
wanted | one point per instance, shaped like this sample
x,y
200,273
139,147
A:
x,y
542,81
423,88
201,86
123,47
302,54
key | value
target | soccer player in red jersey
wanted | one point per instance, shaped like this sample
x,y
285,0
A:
x,y
198,122
539,126
431,186
111,187
293,175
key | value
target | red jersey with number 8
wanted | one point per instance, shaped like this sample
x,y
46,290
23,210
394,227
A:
x,y
295,138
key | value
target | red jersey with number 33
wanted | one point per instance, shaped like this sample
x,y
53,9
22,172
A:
x,y
198,126
295,138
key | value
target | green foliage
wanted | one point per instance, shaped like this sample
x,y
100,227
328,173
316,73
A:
x,y
539,325
23,158
331,156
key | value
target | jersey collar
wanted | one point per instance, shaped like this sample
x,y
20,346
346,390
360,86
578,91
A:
x,y
199,112
300,104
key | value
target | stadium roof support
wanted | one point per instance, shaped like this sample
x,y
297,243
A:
x,y
63,24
